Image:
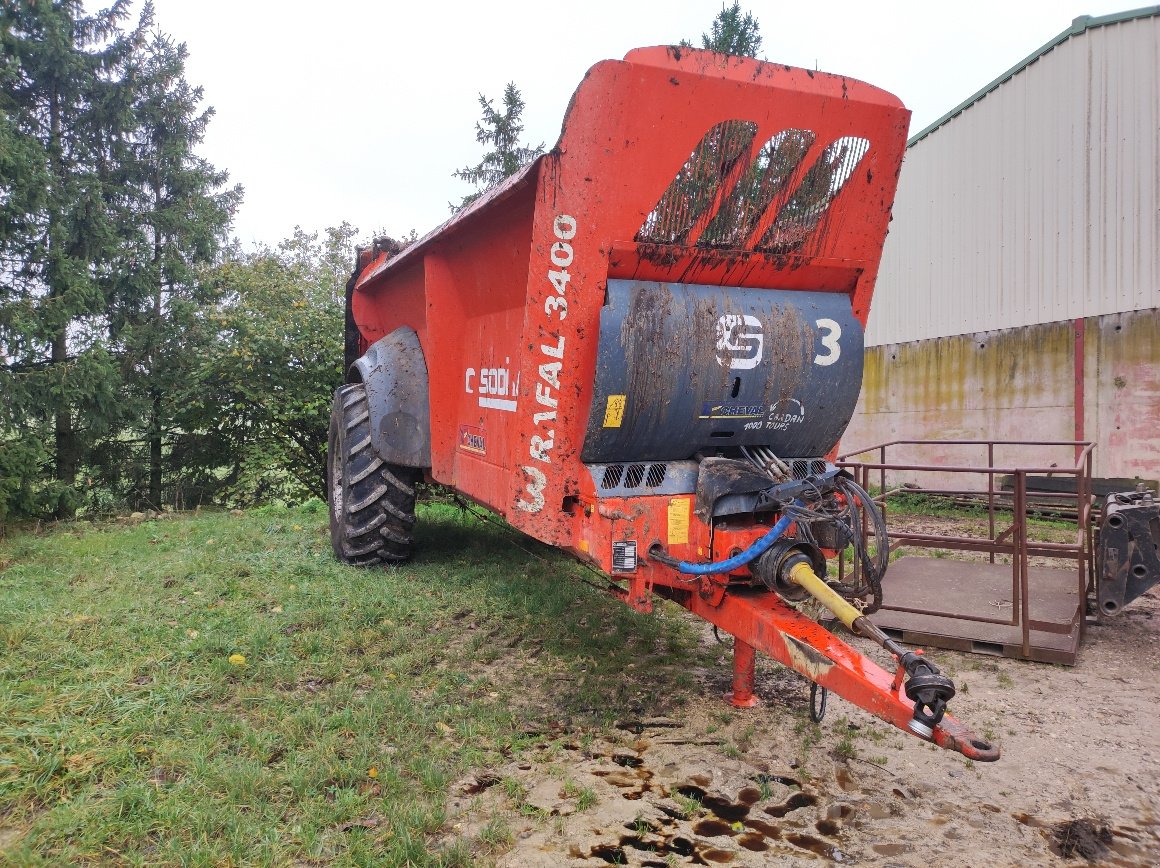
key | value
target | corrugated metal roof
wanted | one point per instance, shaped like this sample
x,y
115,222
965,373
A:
x,y
1044,207
1078,26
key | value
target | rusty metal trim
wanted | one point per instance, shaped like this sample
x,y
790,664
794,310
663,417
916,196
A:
x,y
1012,540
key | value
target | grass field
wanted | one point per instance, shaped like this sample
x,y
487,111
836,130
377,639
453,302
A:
x,y
216,690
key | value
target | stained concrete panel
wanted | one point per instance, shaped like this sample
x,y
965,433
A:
x,y
1019,384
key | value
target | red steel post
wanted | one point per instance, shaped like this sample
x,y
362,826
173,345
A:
x,y
1079,386
744,667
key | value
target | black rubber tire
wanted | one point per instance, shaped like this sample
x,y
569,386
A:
x,y
372,503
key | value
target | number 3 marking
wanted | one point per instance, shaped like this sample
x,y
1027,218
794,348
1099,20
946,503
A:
x,y
830,342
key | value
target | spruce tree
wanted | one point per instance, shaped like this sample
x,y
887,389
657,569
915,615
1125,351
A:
x,y
501,131
106,214
66,106
732,32
175,223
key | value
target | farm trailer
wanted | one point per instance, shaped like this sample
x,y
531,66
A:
x,y
643,349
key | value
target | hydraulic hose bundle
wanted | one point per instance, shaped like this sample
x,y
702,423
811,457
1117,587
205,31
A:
x,y
829,505
842,508
825,510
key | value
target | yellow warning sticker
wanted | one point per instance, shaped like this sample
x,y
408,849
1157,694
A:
x,y
679,520
614,412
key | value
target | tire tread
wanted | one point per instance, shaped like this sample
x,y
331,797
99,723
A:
x,y
378,503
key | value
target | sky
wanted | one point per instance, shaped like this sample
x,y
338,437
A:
x,y
360,110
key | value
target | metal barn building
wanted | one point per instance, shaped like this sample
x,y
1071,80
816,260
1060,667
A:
x,y
1019,295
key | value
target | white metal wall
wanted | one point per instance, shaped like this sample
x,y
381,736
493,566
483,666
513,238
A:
x,y
1039,203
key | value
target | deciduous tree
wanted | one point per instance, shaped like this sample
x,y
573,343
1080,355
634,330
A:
x,y
259,406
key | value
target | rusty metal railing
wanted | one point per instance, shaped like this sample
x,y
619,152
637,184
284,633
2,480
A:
x,y
1011,540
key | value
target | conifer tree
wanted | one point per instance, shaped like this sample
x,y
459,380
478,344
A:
x,y
106,213
732,32
176,222
66,106
501,131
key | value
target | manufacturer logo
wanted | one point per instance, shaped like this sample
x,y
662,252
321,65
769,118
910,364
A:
x,y
472,439
740,341
496,387
731,411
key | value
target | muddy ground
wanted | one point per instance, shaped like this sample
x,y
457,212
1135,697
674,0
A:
x,y
1078,781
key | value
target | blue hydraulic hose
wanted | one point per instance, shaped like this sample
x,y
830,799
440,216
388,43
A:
x,y
752,553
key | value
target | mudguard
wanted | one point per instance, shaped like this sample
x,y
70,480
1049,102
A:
x,y
398,398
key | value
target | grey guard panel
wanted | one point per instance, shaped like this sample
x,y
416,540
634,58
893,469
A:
x,y
680,477
707,367
398,397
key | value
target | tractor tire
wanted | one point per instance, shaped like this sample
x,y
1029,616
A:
x,y
372,503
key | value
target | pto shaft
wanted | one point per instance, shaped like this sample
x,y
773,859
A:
x,y
802,573
926,687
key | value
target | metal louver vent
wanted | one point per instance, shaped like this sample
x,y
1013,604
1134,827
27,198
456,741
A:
x,y
633,476
803,467
688,198
800,216
612,474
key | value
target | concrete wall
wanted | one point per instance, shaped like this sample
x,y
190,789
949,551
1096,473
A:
x,y
1020,384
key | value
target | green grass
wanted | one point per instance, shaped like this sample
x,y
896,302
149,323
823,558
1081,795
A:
x,y
585,796
811,734
845,748
906,503
919,505
128,736
586,799
496,835
690,807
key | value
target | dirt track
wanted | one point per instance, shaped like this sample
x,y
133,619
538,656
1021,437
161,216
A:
x,y
1080,774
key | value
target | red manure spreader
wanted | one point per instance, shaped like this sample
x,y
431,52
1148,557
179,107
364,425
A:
x,y
643,348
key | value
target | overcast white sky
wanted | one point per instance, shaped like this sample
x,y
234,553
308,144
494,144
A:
x,y
359,110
